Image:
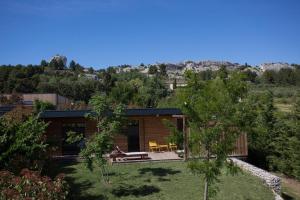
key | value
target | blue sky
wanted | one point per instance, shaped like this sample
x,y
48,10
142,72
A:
x,y
103,33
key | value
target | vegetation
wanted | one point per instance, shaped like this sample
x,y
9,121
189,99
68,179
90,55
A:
x,y
165,180
31,185
101,142
285,76
22,144
215,117
130,88
40,106
269,113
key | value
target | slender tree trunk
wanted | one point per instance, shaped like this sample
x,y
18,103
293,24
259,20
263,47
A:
x,y
206,181
205,190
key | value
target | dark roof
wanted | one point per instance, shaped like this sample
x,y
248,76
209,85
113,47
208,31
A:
x,y
128,112
5,109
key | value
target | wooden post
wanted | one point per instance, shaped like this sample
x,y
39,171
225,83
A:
x,y
185,136
185,145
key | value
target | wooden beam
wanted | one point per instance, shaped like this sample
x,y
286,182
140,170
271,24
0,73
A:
x,y
178,116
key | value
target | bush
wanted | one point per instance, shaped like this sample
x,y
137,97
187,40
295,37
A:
x,y
31,185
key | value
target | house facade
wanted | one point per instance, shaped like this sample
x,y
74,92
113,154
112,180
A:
x,y
28,99
143,125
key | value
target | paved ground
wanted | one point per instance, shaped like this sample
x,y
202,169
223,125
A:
x,y
164,156
152,156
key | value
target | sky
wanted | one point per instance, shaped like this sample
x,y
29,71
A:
x,y
102,33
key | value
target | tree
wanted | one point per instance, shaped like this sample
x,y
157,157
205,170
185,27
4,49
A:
x,y
72,65
215,117
264,130
56,64
174,83
40,106
22,143
91,70
76,67
152,69
109,120
222,72
269,76
44,63
295,140
163,69
284,155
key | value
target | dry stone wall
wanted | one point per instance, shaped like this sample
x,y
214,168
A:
x,y
269,179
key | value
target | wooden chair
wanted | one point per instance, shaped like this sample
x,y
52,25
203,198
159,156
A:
x,y
172,146
163,146
153,146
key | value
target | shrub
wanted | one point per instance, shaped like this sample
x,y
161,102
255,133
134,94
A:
x,y
31,185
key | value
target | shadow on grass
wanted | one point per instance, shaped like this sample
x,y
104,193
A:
x,y
76,188
161,179
285,196
158,171
127,190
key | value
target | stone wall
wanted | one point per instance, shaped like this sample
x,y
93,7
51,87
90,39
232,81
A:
x,y
269,179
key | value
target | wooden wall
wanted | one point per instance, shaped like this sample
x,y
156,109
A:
x,y
150,128
241,146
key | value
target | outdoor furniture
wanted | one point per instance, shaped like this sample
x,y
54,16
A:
x,y
141,155
172,146
117,153
163,146
153,146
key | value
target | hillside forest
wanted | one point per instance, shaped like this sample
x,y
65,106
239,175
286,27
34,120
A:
x,y
273,100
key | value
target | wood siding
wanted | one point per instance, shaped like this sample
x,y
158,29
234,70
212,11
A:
x,y
241,146
150,128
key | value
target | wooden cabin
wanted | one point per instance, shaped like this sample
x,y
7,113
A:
x,y
143,125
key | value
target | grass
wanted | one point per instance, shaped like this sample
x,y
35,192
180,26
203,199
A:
x,y
289,194
165,180
290,187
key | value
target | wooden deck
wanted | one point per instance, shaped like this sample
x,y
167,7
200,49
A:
x,y
152,156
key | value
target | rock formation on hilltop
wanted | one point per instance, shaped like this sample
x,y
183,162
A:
x,y
274,66
59,58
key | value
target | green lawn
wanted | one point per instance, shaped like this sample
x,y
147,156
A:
x,y
154,181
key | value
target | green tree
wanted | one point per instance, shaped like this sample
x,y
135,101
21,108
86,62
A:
x,y
296,140
152,69
101,142
223,72
40,106
44,63
72,65
22,143
264,129
269,76
284,155
215,117
163,69
91,70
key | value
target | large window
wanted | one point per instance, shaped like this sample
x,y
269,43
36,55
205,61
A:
x,y
74,148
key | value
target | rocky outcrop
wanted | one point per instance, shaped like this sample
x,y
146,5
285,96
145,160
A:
x,y
59,58
274,66
176,70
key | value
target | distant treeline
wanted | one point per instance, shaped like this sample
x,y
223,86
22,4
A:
x,y
131,88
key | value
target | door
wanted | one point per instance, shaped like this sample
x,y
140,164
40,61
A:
x,y
133,138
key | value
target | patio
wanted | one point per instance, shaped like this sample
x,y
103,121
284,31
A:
x,y
152,156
